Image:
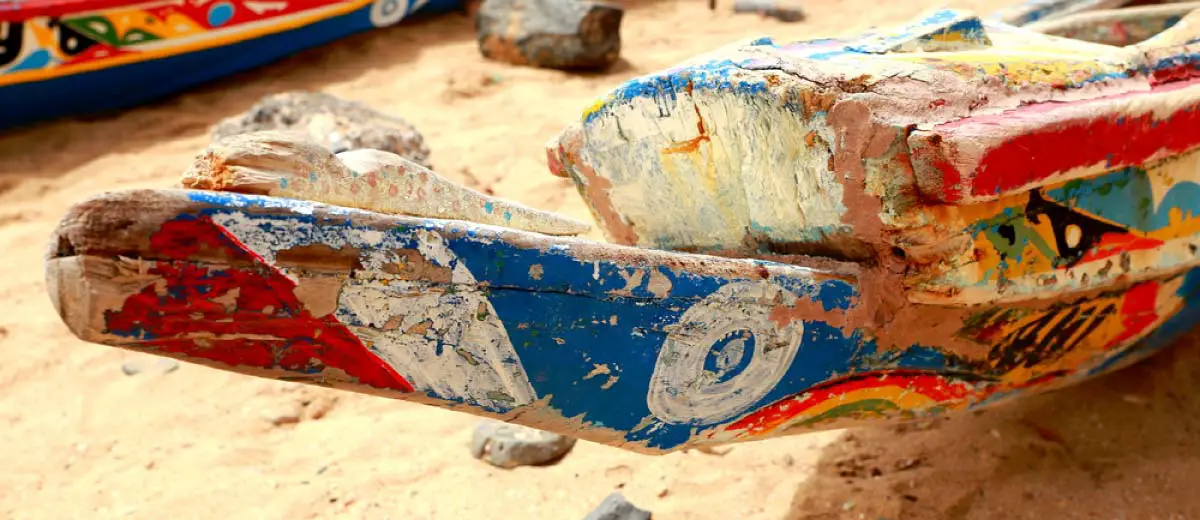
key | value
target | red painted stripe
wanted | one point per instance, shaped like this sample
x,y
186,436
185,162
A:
x,y
1112,244
24,10
1139,310
19,10
1058,145
934,386
257,303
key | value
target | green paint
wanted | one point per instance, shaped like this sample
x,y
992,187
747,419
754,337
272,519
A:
x,y
855,409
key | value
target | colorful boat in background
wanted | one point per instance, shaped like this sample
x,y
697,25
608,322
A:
x,y
68,57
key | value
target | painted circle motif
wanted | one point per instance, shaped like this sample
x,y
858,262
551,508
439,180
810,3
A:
x,y
220,13
388,12
726,354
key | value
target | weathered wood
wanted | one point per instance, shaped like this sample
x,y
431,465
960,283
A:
x,y
861,150
1031,11
1010,213
1119,27
977,159
648,350
292,166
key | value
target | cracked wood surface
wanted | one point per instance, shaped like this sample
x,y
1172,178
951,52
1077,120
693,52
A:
x,y
940,240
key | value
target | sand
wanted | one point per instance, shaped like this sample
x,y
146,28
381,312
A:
x,y
82,440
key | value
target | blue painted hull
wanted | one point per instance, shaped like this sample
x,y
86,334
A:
x,y
130,85
646,350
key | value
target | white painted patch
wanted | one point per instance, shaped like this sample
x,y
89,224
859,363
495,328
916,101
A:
x,y
388,12
755,167
264,7
449,344
403,321
681,390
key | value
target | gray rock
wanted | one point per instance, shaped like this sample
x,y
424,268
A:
x,y
554,34
785,10
616,507
510,445
336,123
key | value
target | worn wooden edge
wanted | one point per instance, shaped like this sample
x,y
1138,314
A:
x,y
120,223
78,296
1036,10
1100,17
1104,275
976,159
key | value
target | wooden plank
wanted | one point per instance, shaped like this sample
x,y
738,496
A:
x,y
654,350
981,158
1119,27
647,350
280,164
1031,11
391,305
1133,223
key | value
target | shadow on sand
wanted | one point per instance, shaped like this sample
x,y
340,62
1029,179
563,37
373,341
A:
x,y
1122,446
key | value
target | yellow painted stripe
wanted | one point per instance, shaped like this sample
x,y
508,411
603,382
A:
x,y
283,24
903,398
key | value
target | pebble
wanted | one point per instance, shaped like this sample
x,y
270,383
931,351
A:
x,y
616,507
510,445
163,365
337,124
784,10
553,34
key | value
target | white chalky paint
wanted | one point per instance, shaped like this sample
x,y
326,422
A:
x,y
404,321
764,173
682,391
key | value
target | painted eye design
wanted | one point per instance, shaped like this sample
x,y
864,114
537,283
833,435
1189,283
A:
x,y
1075,233
12,35
72,42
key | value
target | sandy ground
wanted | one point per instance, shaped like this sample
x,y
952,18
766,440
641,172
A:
x,y
82,440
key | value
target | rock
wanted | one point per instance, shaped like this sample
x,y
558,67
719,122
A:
x,y
616,507
785,10
555,34
136,366
337,124
309,405
510,445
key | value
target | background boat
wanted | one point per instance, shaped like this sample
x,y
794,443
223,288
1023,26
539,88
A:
x,y
61,58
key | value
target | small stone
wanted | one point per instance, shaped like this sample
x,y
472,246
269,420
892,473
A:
x,y
616,507
553,34
510,445
287,412
337,124
131,367
772,8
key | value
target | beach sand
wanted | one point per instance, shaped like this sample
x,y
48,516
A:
x,y
80,439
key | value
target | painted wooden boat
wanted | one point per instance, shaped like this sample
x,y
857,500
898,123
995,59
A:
x,y
932,218
71,57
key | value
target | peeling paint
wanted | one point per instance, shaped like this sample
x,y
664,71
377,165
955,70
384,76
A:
x,y
893,234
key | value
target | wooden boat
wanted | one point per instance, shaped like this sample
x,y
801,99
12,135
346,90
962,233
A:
x,y
71,57
937,217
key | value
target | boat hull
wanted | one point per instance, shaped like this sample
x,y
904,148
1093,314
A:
x,y
646,350
122,83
